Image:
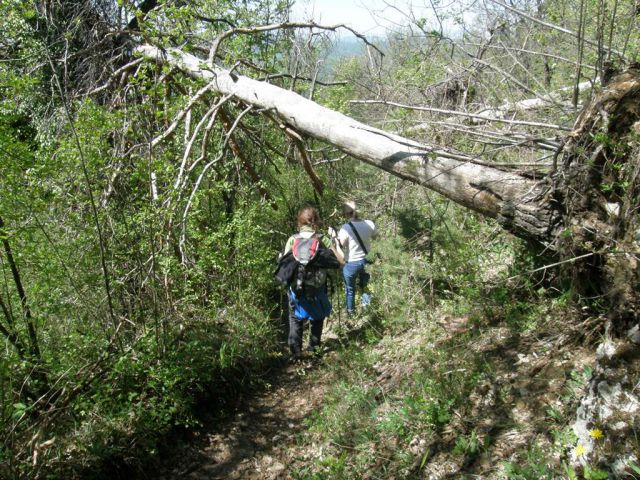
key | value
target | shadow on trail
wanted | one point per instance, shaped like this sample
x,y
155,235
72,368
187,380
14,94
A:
x,y
256,435
354,330
508,411
225,444
230,447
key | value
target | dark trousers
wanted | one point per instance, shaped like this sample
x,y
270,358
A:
x,y
296,331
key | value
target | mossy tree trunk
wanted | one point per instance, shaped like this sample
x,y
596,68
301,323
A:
x,y
597,185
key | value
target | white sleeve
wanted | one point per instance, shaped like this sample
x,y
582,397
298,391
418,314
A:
x,y
372,226
343,236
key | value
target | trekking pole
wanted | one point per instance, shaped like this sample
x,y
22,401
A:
x,y
336,282
329,286
339,309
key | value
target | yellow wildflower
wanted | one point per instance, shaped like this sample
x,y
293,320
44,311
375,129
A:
x,y
580,450
596,434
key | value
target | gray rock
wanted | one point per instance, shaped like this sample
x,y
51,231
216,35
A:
x,y
634,334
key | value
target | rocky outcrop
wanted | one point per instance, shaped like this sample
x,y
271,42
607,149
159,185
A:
x,y
608,418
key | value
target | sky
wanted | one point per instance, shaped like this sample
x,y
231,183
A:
x,y
358,13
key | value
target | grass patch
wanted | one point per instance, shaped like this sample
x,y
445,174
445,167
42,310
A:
x,y
414,390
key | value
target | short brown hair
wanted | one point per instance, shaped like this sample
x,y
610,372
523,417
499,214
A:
x,y
308,216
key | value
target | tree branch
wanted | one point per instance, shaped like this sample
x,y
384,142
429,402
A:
x,y
273,76
9,332
115,74
483,189
26,309
213,53
548,25
461,114
509,137
237,151
183,113
304,158
185,214
531,52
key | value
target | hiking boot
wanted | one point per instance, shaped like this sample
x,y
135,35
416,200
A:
x,y
295,357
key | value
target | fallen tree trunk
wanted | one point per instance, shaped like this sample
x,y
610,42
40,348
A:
x,y
585,210
519,203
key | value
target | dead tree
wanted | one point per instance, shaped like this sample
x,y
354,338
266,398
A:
x,y
585,211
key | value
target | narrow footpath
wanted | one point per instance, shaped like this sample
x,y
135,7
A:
x,y
259,440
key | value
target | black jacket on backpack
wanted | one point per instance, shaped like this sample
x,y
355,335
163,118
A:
x,y
287,265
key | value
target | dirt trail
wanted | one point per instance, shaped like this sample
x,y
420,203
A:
x,y
267,437
260,440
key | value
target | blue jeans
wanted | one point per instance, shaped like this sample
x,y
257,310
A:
x,y
352,273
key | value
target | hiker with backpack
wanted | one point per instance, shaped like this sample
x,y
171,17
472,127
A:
x,y
303,268
355,238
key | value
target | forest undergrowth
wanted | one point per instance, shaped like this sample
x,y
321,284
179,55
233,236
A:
x,y
465,366
143,206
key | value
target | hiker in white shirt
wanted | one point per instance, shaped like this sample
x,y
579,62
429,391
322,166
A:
x,y
355,239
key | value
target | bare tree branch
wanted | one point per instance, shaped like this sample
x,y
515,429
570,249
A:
x,y
508,137
461,114
237,151
450,173
116,75
207,133
10,333
531,52
274,76
282,26
548,25
183,113
185,214
304,158
187,150
22,294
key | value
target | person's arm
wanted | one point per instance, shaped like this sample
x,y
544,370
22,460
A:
x,y
343,239
288,245
374,231
335,246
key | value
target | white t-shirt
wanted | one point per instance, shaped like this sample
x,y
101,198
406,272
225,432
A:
x,y
352,249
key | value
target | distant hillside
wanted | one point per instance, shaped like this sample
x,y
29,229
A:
x,y
342,48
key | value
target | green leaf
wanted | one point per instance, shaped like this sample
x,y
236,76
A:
x,y
571,473
594,474
19,409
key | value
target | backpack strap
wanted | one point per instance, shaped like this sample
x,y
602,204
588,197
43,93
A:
x,y
358,238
